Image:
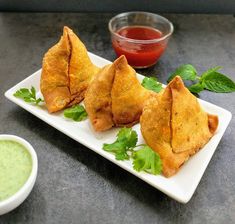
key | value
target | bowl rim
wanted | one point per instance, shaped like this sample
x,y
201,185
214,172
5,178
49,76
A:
x,y
31,179
136,40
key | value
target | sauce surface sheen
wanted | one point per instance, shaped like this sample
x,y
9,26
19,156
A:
x,y
139,54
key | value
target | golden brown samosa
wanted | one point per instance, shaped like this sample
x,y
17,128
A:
x,y
66,72
98,101
175,126
115,97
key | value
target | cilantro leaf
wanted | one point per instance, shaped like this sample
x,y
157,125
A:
x,y
118,148
217,82
27,95
126,141
77,113
33,92
145,159
186,72
128,136
152,84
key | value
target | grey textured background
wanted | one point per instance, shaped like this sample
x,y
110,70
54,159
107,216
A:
x,y
74,184
173,6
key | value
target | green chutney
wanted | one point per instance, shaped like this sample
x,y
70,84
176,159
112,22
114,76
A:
x,y
15,167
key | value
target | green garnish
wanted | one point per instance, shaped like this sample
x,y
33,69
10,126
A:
x,y
151,83
217,82
28,95
126,141
186,72
77,113
211,80
144,159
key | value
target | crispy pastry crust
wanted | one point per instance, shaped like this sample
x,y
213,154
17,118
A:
x,y
175,125
66,72
115,97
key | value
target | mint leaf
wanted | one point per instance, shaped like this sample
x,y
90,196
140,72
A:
x,y
126,141
186,72
77,113
152,84
196,88
210,71
147,160
211,79
27,95
218,82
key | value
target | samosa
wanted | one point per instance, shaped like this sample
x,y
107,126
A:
x,y
175,126
115,97
66,72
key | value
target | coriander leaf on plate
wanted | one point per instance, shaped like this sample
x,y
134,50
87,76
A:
x,y
77,113
145,159
186,72
152,84
23,93
118,148
33,92
128,136
126,141
27,95
217,82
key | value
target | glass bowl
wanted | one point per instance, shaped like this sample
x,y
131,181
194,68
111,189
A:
x,y
141,36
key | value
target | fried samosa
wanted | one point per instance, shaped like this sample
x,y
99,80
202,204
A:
x,y
175,126
115,97
66,72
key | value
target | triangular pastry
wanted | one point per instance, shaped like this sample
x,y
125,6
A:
x,y
66,72
115,97
174,125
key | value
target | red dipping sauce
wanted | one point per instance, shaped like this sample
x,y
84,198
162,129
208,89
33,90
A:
x,y
142,49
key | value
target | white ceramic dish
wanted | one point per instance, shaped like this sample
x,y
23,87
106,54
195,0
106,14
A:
x,y
180,187
16,199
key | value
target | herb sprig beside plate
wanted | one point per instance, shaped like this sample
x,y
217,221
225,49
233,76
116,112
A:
x,y
211,80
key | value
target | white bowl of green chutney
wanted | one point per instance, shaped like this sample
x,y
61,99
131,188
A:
x,y
18,171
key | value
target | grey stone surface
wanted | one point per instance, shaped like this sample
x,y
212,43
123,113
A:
x,y
167,6
74,184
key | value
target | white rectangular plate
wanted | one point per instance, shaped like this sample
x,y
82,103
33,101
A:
x,y
180,187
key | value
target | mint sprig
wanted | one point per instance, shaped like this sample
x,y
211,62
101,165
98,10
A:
x,y
186,72
211,80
